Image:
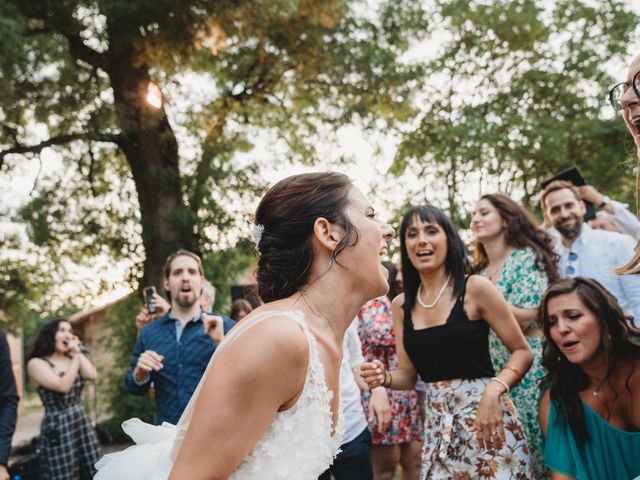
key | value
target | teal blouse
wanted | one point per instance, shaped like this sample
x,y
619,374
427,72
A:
x,y
611,453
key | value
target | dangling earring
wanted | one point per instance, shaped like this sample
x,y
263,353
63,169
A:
x,y
330,262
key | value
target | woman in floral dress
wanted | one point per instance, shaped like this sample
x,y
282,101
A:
x,y
517,256
402,442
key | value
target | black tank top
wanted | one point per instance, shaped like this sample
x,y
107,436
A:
x,y
459,348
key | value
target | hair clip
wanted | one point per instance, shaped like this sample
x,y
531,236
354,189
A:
x,y
256,234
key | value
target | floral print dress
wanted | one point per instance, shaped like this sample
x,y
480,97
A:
x,y
375,328
522,284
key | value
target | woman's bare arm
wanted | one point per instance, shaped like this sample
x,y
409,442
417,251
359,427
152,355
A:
x,y
524,316
261,373
494,309
87,369
490,305
404,377
41,373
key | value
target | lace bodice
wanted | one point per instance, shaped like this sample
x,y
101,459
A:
x,y
299,444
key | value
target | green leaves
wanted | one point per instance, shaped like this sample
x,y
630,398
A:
x,y
518,92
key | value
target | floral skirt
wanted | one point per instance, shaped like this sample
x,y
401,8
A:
x,y
451,449
406,419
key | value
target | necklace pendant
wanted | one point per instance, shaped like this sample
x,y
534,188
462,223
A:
x,y
596,392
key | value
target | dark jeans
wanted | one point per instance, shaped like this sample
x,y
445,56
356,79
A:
x,y
354,461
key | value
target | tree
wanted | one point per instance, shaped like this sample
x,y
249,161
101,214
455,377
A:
x,y
517,93
24,278
77,75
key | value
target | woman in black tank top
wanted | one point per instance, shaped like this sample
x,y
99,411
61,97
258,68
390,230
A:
x,y
444,318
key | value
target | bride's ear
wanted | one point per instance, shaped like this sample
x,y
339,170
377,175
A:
x,y
328,234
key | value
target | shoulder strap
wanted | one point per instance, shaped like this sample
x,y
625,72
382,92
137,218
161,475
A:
x,y
49,362
232,336
464,290
408,322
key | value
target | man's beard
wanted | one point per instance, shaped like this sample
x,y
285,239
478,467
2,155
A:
x,y
187,302
570,232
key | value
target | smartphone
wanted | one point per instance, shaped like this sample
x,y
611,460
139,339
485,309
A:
x,y
149,292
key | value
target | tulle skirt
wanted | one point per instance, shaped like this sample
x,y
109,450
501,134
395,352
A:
x,y
149,458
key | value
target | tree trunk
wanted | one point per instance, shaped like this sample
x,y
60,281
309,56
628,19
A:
x,y
151,149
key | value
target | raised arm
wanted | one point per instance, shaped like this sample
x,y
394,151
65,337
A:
x,y
260,373
137,386
41,373
87,369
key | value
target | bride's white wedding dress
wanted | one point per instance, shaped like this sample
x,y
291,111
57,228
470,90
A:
x,y
298,444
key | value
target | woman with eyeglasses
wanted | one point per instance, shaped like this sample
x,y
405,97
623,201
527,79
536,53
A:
x,y
517,256
625,96
590,411
471,428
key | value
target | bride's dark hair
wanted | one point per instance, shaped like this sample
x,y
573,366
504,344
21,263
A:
x,y
286,216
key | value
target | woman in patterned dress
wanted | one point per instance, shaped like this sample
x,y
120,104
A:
x,y
57,367
517,256
443,318
402,442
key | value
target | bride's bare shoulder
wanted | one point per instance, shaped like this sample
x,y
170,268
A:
x,y
274,334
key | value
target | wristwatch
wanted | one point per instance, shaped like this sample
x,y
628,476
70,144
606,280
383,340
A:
x,y
605,201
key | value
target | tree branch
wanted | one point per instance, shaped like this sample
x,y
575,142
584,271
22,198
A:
x,y
80,51
57,140
30,32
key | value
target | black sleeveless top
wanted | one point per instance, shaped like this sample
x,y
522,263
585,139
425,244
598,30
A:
x,y
459,348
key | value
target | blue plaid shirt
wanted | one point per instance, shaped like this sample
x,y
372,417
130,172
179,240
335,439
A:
x,y
185,360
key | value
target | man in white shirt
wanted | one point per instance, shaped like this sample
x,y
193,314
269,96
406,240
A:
x,y
585,252
354,460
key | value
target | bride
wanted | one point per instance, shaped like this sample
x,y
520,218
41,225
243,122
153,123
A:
x,y
267,406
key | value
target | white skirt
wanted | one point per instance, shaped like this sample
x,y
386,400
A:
x,y
149,459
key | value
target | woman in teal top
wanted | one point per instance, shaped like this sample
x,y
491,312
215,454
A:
x,y
590,412
516,255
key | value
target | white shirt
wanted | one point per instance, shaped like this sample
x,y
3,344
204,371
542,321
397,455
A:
x,y
351,408
598,253
624,219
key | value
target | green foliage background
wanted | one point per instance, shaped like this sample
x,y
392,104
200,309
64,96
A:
x,y
501,92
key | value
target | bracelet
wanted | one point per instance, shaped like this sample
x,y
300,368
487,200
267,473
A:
x,y
502,382
513,369
386,384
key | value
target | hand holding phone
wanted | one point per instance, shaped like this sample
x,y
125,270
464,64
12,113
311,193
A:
x,y
149,293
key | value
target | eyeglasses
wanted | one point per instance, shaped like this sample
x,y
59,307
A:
x,y
570,270
617,91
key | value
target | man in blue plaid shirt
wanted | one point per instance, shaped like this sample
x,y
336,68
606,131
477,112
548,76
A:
x,y
173,351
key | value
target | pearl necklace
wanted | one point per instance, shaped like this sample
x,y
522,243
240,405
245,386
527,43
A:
x,y
438,297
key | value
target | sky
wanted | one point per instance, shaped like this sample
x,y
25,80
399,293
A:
x,y
367,167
